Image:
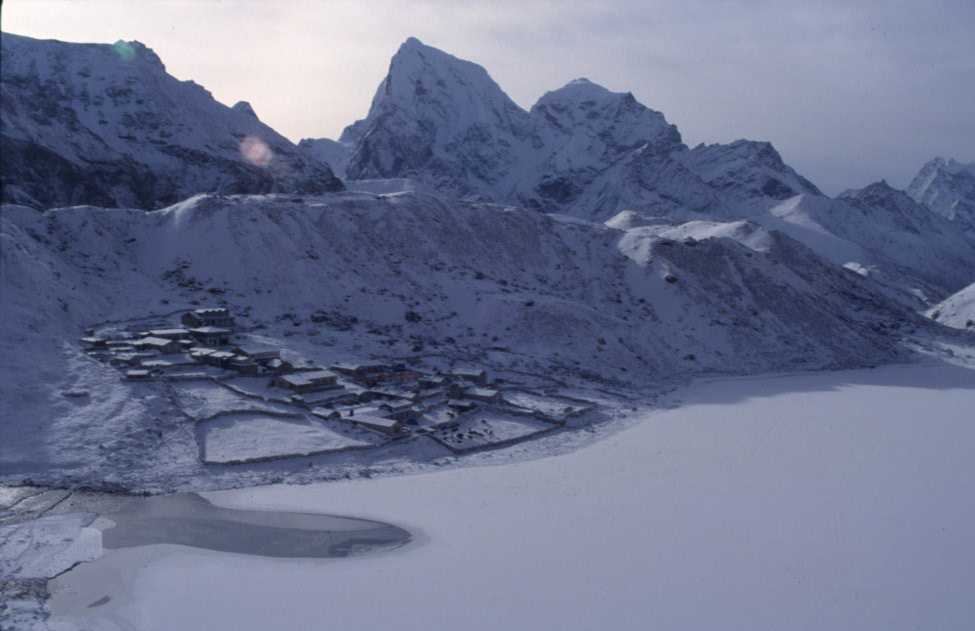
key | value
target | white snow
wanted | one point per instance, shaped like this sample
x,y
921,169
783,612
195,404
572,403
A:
x,y
958,310
44,547
821,501
250,437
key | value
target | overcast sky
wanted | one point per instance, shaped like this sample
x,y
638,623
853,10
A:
x,y
848,94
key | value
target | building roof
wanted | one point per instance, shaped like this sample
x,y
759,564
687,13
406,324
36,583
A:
x,y
211,311
164,332
153,341
210,330
375,421
256,349
357,366
468,372
308,378
157,363
397,405
482,392
136,373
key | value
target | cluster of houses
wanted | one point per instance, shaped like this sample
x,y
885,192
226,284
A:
x,y
386,397
391,398
206,338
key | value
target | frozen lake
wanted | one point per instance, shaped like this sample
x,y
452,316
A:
x,y
829,501
190,520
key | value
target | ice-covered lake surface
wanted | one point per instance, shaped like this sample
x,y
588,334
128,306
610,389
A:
x,y
838,500
190,520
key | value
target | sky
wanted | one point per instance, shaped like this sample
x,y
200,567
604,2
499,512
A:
x,y
849,92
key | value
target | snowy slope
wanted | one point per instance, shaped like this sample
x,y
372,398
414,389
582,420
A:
x,y
105,124
947,187
548,296
958,310
881,232
915,255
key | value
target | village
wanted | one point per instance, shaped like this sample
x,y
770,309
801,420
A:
x,y
255,401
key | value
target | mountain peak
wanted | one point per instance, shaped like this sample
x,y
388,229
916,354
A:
x,y
579,90
244,108
875,193
947,187
429,101
412,43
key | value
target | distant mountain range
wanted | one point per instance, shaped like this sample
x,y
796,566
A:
x,y
106,125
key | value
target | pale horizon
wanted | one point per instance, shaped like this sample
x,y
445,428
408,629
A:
x,y
848,95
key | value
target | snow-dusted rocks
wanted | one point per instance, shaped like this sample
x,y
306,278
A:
x,y
958,310
105,124
746,173
947,187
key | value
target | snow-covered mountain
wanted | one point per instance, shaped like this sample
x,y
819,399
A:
x,y
747,173
581,149
443,120
958,310
912,247
105,124
598,152
947,187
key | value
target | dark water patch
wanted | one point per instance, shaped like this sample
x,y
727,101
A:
x,y
191,520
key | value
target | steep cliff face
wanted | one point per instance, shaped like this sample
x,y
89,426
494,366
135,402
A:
x,y
106,125
947,187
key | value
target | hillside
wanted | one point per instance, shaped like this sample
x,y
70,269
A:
x,y
881,232
354,275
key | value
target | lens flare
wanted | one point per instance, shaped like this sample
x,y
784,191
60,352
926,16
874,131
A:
x,y
124,50
256,151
